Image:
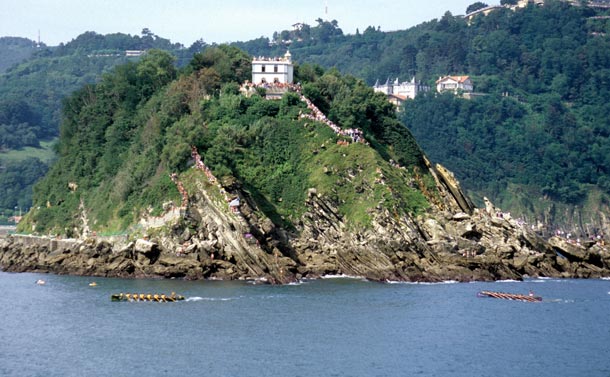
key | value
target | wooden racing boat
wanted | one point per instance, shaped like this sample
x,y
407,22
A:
x,y
510,296
146,297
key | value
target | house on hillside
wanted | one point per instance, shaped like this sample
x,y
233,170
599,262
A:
x,y
398,92
15,219
132,53
455,84
273,70
487,10
396,100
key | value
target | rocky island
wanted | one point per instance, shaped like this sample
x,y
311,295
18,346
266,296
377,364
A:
x,y
293,182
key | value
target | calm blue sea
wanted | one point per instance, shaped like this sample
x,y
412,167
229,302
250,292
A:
x,y
329,327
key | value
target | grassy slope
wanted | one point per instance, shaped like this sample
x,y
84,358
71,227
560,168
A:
x,y
45,153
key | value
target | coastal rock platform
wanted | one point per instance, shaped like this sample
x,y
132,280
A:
x,y
450,246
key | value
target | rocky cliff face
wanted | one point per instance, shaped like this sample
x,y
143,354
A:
x,y
452,241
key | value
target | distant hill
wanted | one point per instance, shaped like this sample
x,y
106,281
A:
x,y
32,92
14,50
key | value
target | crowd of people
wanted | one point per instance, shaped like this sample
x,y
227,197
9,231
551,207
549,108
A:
x,y
589,238
201,166
271,59
317,115
597,237
248,87
234,202
181,189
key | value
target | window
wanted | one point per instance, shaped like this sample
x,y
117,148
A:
x,y
263,68
275,68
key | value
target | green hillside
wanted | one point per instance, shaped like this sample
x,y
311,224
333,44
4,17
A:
x,y
15,50
122,138
32,92
538,141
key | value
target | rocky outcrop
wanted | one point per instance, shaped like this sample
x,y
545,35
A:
x,y
447,183
453,241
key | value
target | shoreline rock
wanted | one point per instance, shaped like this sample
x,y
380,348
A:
x,y
457,247
452,241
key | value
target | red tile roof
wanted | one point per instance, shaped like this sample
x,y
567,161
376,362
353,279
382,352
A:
x,y
459,79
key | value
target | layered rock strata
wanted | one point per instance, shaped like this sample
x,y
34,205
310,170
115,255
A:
x,y
452,241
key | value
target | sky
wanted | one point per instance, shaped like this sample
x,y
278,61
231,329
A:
x,y
186,21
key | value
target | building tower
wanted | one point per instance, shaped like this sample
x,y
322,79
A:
x,y
273,70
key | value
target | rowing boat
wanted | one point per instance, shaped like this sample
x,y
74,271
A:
x,y
510,296
146,297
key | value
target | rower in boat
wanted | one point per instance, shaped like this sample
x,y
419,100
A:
x,y
146,297
510,296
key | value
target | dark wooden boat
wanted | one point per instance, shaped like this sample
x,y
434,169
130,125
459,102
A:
x,y
510,296
146,297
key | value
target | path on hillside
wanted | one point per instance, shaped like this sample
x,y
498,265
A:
x,y
356,135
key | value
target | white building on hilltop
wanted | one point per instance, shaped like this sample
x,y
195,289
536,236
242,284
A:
x,y
273,70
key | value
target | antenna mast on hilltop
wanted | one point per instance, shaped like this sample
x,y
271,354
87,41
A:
x,y
326,9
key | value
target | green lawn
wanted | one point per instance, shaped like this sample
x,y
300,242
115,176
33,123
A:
x,y
44,153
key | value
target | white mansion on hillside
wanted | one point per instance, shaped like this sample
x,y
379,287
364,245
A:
x,y
406,89
273,70
397,92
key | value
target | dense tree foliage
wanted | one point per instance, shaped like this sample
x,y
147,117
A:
x,y
543,123
19,125
18,177
230,63
475,7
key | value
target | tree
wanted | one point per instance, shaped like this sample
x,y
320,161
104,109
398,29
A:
x,y
475,7
231,63
284,36
155,70
326,30
197,46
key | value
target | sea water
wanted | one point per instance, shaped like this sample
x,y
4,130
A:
x,y
328,327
